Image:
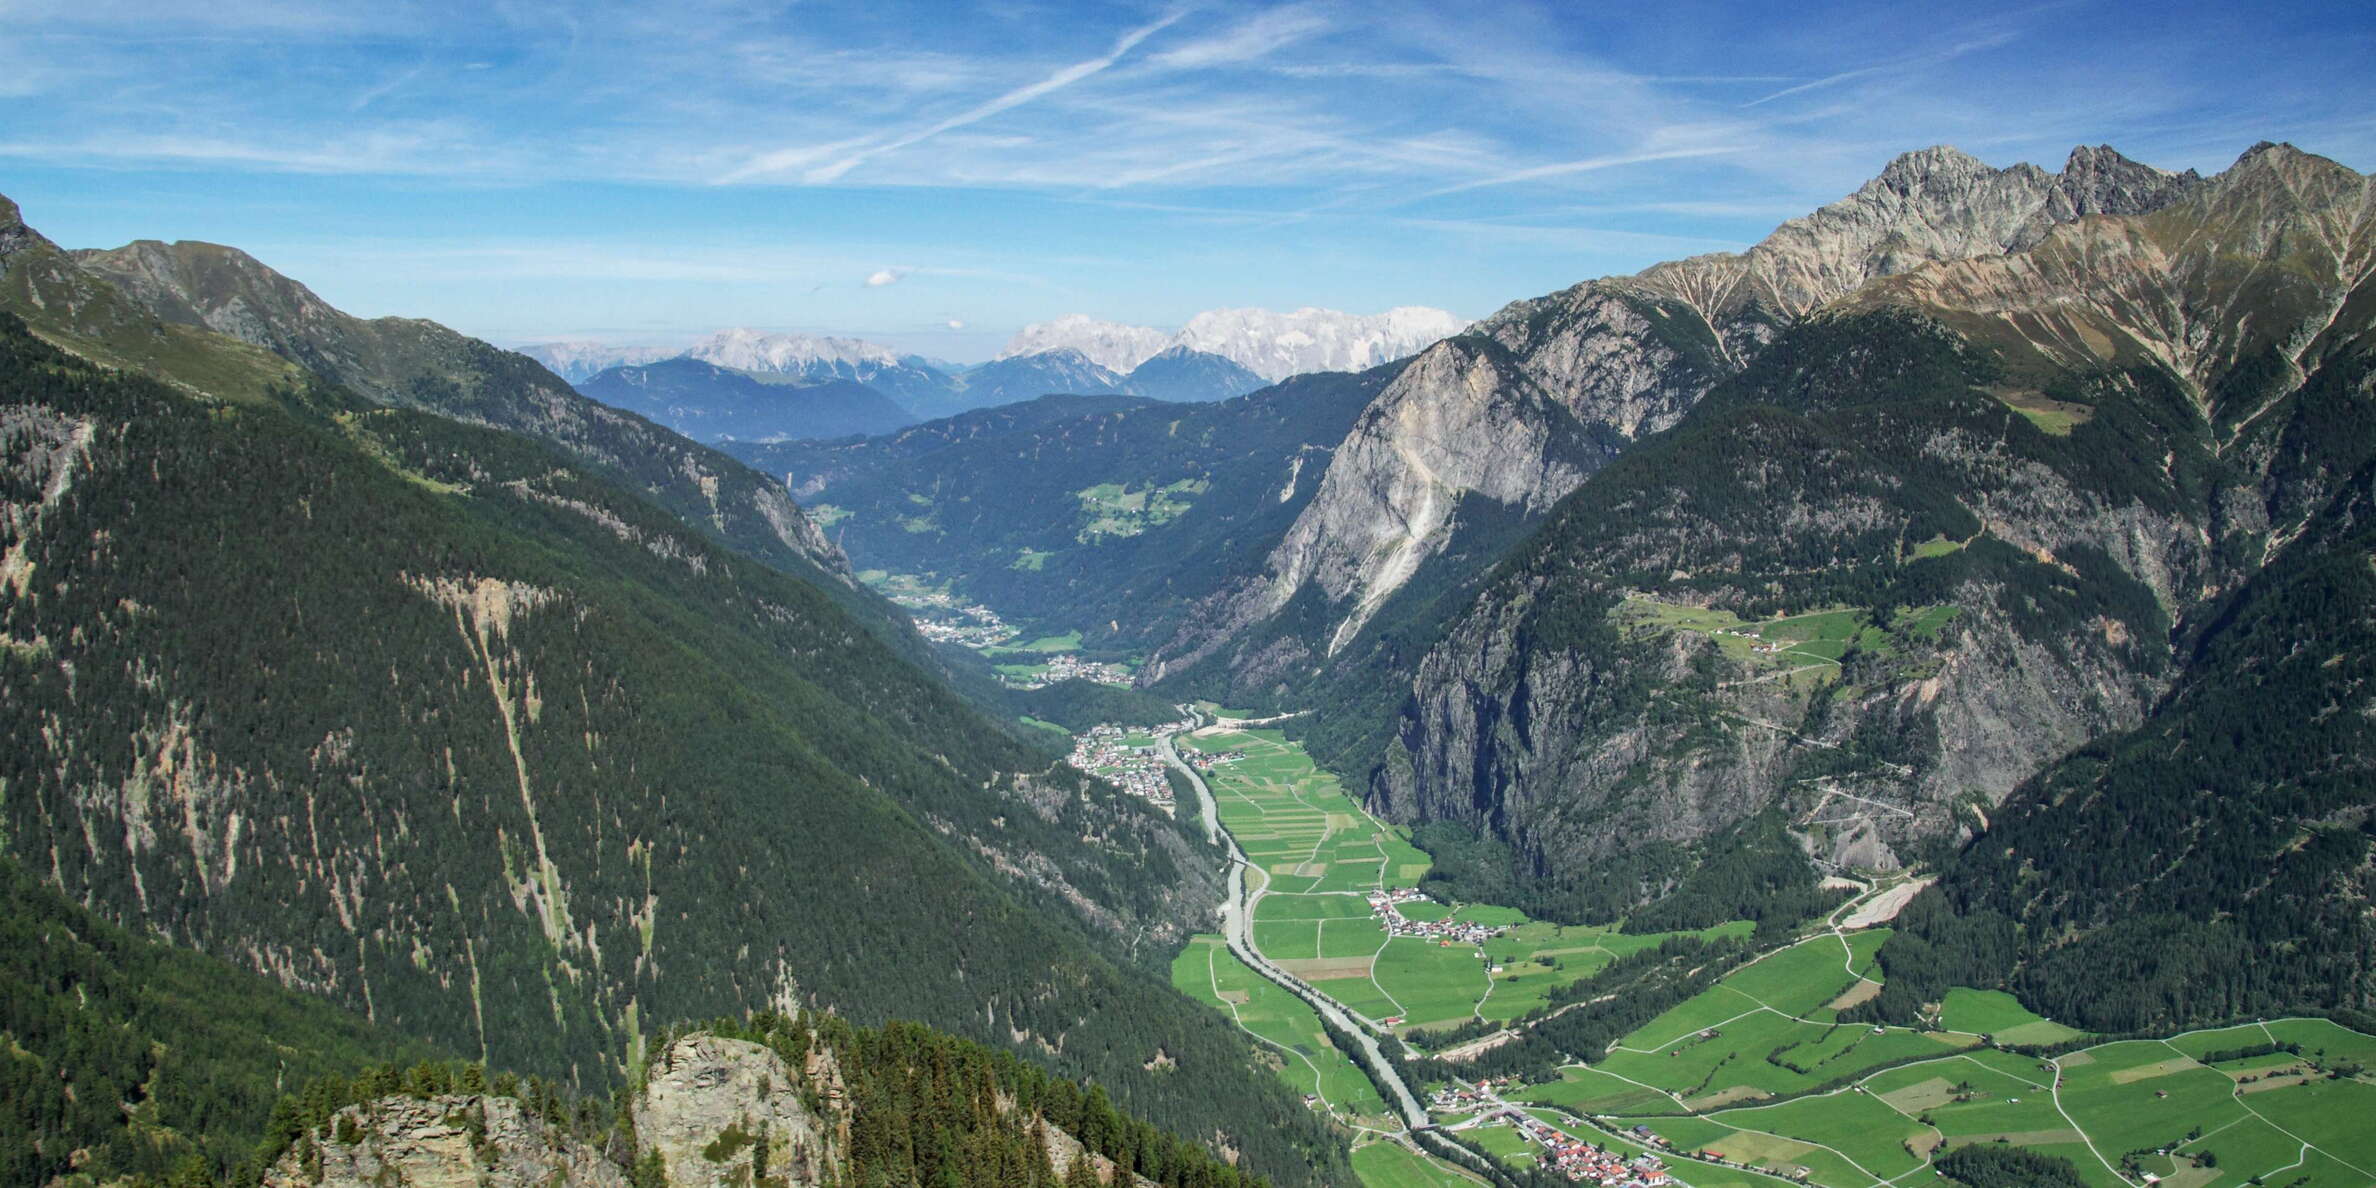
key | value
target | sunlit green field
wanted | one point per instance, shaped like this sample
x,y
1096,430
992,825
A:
x,y
1317,853
1288,1029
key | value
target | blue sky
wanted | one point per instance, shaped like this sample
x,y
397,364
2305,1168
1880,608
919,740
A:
x,y
523,170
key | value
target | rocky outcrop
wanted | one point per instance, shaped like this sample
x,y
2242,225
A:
x,y
1526,404
724,1112
449,1141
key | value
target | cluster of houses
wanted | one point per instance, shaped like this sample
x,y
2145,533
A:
x,y
1208,760
1386,906
1590,1163
1136,769
945,618
1066,666
1460,1099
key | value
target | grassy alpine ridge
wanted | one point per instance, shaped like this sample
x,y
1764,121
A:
x,y
467,737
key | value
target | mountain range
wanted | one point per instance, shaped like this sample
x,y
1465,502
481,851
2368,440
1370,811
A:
x,y
1269,344
1217,355
518,790
2012,448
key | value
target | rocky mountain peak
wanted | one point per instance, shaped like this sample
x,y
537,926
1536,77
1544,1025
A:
x,y
1927,169
2099,180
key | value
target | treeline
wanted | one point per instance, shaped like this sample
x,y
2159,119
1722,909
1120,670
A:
x,y
1582,1019
927,1108
129,1059
1752,871
1078,705
1997,1165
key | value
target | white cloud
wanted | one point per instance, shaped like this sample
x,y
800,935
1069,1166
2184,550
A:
x,y
955,324
1586,165
1892,67
884,276
833,171
1258,38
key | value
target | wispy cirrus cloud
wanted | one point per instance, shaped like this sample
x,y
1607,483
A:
x,y
844,162
1896,66
1223,145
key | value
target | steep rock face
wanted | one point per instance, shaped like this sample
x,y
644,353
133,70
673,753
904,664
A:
x,y
1621,358
413,363
450,1141
2097,438
713,1109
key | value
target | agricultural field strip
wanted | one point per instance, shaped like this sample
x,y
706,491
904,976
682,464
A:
x,y
1377,840
1718,1115
1319,1082
2053,1093
2242,1100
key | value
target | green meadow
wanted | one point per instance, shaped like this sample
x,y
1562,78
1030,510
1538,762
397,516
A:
x,y
1757,1069
1315,854
1287,1029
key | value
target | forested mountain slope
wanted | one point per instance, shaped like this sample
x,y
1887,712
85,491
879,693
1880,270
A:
x,y
1113,514
415,363
128,1056
710,403
2020,504
435,721
134,1061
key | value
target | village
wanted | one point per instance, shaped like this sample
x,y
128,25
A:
x,y
943,617
1068,666
1586,1162
1386,907
1580,1160
1127,758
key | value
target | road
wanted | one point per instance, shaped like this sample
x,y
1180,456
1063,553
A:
x,y
1237,930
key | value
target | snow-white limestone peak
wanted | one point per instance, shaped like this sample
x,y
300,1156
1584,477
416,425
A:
x,y
580,359
1270,344
1114,346
753,350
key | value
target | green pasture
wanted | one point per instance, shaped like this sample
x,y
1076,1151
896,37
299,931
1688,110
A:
x,y
1391,1165
1289,1030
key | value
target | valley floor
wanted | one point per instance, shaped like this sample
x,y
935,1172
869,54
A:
x,y
1753,1082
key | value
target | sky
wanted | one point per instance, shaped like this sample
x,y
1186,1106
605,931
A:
x,y
935,175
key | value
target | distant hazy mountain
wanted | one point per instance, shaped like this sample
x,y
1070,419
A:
x,y
1028,377
707,402
1271,345
578,359
1115,346
818,357
1185,376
